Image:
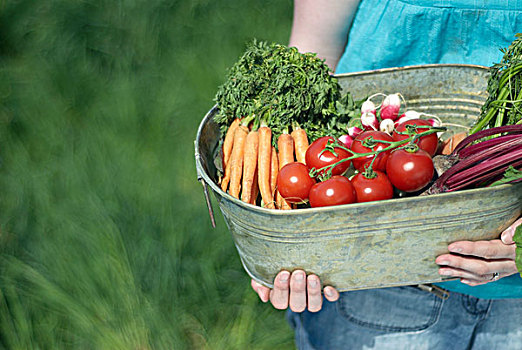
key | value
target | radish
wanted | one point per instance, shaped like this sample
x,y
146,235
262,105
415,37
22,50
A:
x,y
353,131
369,121
408,115
387,126
390,107
346,140
368,107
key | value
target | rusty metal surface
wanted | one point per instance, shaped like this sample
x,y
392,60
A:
x,y
377,244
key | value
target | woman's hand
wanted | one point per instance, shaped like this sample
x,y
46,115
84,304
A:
x,y
297,291
480,262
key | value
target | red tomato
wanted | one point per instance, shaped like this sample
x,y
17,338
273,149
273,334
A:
x,y
294,182
374,189
316,158
429,143
335,191
409,171
357,146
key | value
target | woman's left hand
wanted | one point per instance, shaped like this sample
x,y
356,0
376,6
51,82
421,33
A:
x,y
480,262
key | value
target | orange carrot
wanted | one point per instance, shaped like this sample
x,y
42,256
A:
x,y
274,170
449,145
264,160
249,165
301,143
227,151
226,178
236,160
229,141
255,188
285,143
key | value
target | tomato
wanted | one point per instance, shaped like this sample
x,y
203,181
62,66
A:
x,y
316,158
358,147
335,191
294,182
374,189
429,143
409,171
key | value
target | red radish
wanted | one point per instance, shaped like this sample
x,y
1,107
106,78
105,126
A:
x,y
435,122
387,126
354,131
369,121
346,139
390,107
408,115
368,107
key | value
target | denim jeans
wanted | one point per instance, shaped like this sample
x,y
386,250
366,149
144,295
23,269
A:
x,y
402,318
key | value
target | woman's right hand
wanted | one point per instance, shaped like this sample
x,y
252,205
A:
x,y
297,291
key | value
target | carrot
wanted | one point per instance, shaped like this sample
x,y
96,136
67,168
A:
x,y
274,170
226,178
285,143
301,143
249,165
236,160
255,188
264,165
227,151
229,141
449,145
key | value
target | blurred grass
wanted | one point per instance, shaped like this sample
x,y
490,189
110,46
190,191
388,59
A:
x,y
105,239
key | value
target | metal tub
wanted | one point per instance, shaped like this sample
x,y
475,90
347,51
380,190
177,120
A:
x,y
376,244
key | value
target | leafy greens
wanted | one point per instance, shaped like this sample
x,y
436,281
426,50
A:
x,y
504,103
282,87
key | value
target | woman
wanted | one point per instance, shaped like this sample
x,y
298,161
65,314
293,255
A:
x,y
484,308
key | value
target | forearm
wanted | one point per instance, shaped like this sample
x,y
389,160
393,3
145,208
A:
x,y
322,26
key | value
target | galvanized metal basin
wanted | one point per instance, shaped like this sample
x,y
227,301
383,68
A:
x,y
377,244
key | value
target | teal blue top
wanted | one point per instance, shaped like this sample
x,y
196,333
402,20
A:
x,y
394,33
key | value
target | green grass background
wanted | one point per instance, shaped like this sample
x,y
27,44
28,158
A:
x,y
105,237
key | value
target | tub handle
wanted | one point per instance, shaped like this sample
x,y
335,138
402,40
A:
x,y
205,190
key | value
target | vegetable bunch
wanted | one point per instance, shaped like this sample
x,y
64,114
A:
x,y
386,164
479,164
504,103
251,164
273,100
281,87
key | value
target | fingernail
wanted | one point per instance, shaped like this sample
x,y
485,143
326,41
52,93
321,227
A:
x,y
328,292
506,237
444,272
454,249
313,282
284,276
443,262
299,276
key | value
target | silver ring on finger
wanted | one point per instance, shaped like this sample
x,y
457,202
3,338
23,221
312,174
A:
x,y
495,276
